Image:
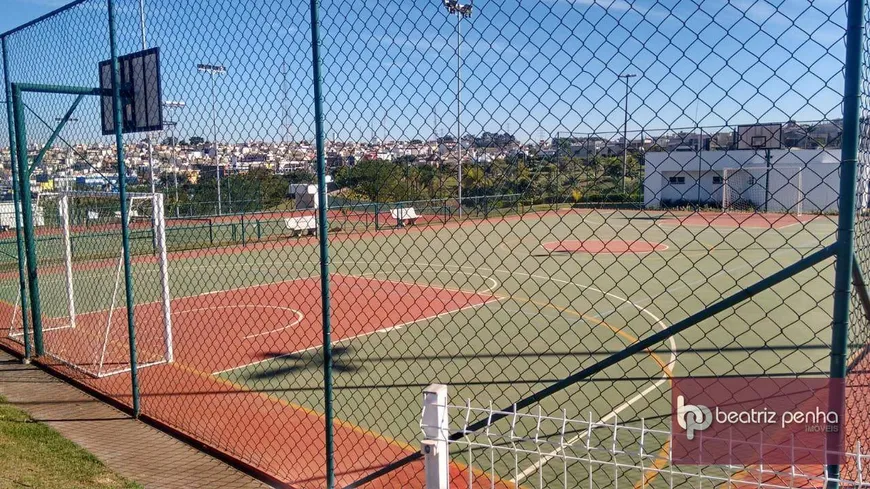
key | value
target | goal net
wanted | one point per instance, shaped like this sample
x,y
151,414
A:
x,y
82,289
763,189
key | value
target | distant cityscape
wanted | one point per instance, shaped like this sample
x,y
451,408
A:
x,y
94,165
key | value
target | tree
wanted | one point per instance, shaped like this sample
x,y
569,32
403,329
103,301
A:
x,y
169,141
375,180
167,179
300,176
476,180
196,141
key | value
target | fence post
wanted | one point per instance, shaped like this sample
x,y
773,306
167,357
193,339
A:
x,y
16,203
846,221
27,219
436,428
122,194
323,240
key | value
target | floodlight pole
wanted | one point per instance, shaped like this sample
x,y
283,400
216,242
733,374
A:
x,y
459,106
461,11
150,142
625,130
175,104
217,168
213,70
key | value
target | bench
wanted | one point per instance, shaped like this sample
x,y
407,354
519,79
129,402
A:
x,y
405,215
301,224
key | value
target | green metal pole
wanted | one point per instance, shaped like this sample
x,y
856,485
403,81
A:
x,y
846,223
16,202
324,240
860,288
60,89
122,190
27,218
56,132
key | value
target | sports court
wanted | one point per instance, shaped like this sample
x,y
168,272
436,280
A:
x,y
389,243
405,314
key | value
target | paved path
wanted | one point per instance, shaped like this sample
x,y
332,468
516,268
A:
x,y
130,448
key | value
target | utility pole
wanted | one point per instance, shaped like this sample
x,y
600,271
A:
x,y
625,130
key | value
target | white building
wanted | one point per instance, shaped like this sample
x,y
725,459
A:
x,y
797,180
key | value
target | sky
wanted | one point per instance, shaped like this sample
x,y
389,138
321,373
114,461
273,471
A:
x,y
535,68
17,12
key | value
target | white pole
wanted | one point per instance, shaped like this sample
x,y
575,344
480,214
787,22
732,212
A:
x,y
63,207
435,432
160,236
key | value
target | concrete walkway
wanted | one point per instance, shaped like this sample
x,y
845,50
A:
x,y
130,448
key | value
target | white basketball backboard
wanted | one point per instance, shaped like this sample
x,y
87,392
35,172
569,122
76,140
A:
x,y
759,136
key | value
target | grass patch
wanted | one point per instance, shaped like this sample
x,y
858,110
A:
x,y
36,456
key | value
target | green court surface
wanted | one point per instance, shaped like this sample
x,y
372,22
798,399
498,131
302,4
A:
x,y
546,314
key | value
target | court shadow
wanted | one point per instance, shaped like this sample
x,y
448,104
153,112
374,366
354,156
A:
x,y
296,363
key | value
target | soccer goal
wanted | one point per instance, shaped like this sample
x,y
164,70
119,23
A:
x,y
763,189
82,283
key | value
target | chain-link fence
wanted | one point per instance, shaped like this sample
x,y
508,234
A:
x,y
551,205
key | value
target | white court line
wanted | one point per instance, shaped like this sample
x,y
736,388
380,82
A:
x,y
362,335
665,376
737,224
618,254
495,283
298,314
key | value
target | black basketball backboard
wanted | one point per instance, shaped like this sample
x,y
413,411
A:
x,y
141,98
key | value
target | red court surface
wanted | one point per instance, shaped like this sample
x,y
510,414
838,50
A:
x,y
228,329
593,246
736,220
248,325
